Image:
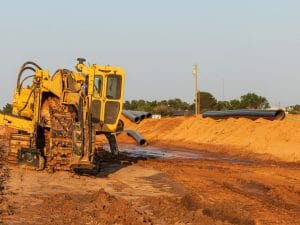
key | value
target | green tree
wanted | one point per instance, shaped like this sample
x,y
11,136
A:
x,y
134,104
234,104
163,107
127,105
254,101
178,104
153,104
163,110
295,109
207,101
7,109
223,105
141,105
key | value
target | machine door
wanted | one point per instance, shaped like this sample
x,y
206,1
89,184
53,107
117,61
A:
x,y
97,100
107,100
113,95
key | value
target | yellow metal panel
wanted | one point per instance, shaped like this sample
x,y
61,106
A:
x,y
43,74
23,102
54,84
17,123
71,98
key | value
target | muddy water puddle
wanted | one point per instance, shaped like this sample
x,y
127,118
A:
x,y
155,152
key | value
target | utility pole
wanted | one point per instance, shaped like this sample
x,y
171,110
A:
x,y
223,96
197,101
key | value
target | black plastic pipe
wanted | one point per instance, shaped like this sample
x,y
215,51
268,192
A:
x,y
136,116
136,136
132,117
277,114
139,114
142,113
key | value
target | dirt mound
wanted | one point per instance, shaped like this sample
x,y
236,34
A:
x,y
131,197
96,208
276,139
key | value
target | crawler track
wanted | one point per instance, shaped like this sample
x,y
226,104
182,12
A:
x,y
59,141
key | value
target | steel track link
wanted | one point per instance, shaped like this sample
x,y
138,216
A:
x,y
59,140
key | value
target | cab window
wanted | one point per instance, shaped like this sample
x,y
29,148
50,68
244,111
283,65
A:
x,y
114,85
98,82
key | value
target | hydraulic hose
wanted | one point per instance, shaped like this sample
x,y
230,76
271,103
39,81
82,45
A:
x,y
25,67
31,63
20,75
21,85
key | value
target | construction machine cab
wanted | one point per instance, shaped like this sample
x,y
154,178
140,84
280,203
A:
x,y
105,86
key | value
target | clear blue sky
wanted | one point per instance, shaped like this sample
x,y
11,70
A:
x,y
251,45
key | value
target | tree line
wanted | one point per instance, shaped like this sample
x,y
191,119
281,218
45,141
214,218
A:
x,y
207,103
295,109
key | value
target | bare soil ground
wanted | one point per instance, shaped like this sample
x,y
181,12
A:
x,y
157,191
258,193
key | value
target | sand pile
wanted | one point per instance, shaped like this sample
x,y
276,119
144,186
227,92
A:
x,y
275,139
279,139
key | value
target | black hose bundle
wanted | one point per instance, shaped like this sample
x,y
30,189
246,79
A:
x,y
22,69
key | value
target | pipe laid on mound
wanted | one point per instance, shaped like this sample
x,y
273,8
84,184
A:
x,y
132,117
277,114
142,114
136,116
147,114
136,136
